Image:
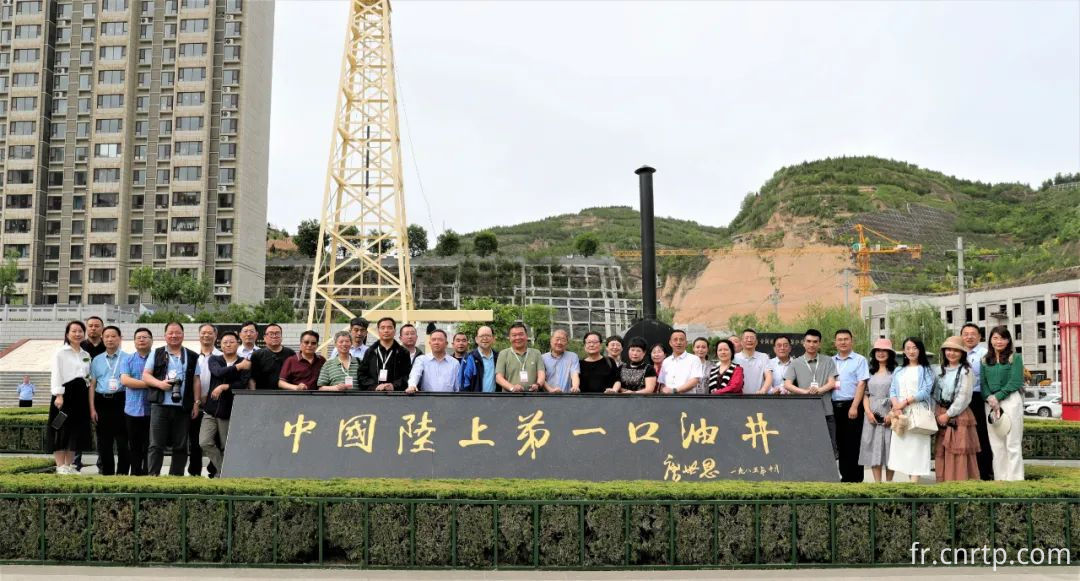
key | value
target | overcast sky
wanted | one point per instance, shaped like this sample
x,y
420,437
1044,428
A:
x,y
519,110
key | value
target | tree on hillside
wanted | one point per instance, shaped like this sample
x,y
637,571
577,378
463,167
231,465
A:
x,y
418,242
9,273
307,237
449,243
536,317
194,291
485,243
586,244
918,320
142,280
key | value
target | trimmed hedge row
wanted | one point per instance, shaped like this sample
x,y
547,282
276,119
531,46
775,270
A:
x,y
519,524
22,430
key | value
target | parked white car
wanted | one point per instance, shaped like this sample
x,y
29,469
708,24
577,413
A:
x,y
1046,408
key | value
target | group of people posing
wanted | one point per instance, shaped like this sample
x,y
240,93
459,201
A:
x,y
176,399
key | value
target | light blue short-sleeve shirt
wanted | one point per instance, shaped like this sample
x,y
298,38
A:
x,y
559,369
106,370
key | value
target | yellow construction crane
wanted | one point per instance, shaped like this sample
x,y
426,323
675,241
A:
x,y
862,251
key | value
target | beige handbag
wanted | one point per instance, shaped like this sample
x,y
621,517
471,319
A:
x,y
921,419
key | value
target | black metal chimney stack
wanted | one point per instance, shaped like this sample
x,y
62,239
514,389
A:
x,y
648,244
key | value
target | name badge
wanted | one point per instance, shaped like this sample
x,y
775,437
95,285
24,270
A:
x,y
348,381
171,375
523,376
113,384
814,384
382,375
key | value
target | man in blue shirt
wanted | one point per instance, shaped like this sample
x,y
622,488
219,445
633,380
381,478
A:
x,y
107,404
26,392
174,391
435,371
478,368
852,374
562,367
136,406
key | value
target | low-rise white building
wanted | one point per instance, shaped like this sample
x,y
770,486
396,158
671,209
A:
x,y
1030,312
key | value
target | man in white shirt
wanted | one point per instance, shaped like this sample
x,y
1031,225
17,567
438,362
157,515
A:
x,y
755,364
778,366
436,371
207,338
681,371
971,335
249,334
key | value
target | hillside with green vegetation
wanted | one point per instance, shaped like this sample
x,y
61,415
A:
x,y
1012,232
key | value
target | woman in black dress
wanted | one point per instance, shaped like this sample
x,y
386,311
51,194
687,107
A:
x,y
599,373
69,409
639,375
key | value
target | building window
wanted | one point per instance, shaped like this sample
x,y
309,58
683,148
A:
x,y
54,203
227,175
192,74
161,252
185,199
1040,307
228,126
184,249
106,176
187,99
189,123
52,227
106,200
163,177
135,252
194,25
135,226
108,125
226,200
110,101
232,77
137,202
103,224
187,173
1018,332
224,251
17,226
27,55
77,250
100,299
23,127
222,276
161,226
52,252
107,150
1042,354
114,5
113,28
189,147
194,4
33,7
75,277
164,152
112,53
225,225
21,152
101,275
185,224
27,31
228,151
230,101
20,176
232,52
1016,309
24,79
18,250
26,103
102,250
1040,330
232,29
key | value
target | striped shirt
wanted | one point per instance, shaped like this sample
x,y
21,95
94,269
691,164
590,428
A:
x,y
334,372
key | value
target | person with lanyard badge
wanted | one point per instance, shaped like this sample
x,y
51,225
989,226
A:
x,y
912,384
614,346
957,442
174,391
876,432
478,368
26,392
599,373
226,377
69,412
338,373
520,367
1002,379
852,373
726,376
136,405
358,331
754,363
106,397
301,372
207,339
778,365
249,334
700,348
814,374
436,371
681,371
387,364
639,375
971,334
562,368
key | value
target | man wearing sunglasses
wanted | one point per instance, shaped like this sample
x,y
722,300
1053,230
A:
x,y
301,372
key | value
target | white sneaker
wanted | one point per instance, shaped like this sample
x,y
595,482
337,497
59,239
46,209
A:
x,y
61,470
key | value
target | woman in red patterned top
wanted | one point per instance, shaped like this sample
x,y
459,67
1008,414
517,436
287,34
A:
x,y
726,376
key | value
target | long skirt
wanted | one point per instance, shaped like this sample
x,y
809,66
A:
x,y
75,433
955,456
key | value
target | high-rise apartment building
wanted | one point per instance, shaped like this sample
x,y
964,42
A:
x,y
134,133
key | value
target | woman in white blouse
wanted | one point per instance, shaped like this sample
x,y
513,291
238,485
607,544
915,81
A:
x,y
70,370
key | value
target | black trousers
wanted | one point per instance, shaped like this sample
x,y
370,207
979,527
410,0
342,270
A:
x,y
168,428
848,437
195,454
138,432
25,403
111,431
985,457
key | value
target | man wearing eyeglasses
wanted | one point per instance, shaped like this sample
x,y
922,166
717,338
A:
x,y
301,373
266,363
